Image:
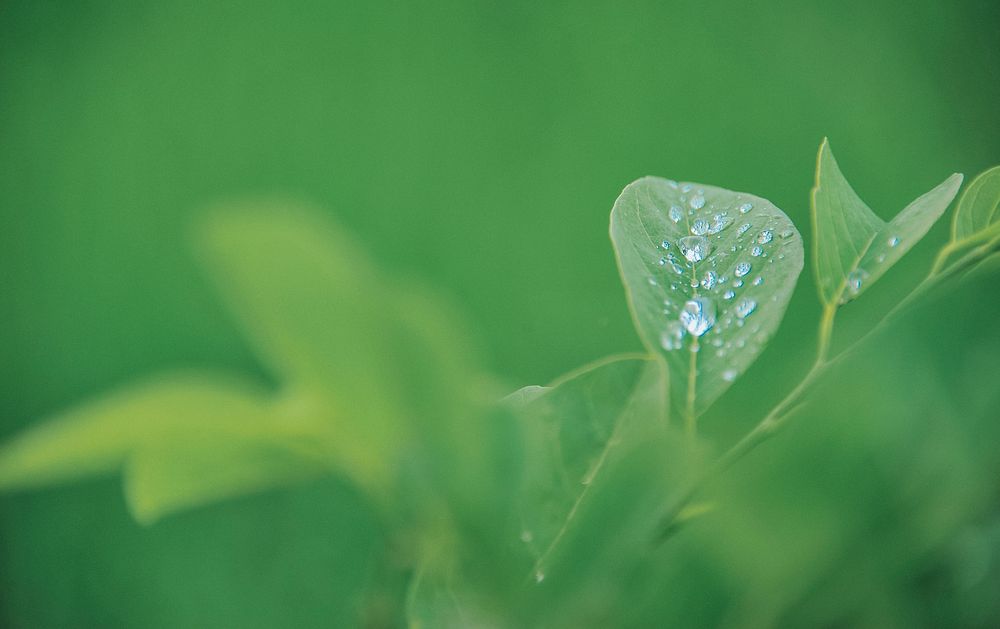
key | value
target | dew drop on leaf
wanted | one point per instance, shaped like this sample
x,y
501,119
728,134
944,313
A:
x,y
855,280
700,227
709,280
694,248
746,207
742,269
698,315
672,337
745,308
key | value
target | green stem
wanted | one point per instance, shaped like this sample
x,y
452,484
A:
x,y
784,410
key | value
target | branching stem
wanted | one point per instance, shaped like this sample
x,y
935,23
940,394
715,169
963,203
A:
x,y
786,408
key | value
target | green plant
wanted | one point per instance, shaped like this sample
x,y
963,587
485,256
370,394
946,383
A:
x,y
554,506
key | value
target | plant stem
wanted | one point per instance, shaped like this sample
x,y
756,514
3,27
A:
x,y
784,410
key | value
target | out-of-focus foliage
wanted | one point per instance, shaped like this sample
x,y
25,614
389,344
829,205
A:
x,y
478,146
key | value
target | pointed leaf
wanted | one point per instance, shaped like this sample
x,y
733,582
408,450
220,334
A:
x,y
854,247
708,273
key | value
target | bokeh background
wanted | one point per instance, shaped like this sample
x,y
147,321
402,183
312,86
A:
x,y
477,146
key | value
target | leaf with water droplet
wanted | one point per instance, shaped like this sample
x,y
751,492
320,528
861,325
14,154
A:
x,y
853,246
707,311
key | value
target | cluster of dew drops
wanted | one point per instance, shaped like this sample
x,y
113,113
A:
x,y
699,314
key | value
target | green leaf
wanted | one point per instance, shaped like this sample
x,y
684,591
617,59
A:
x,y
977,215
315,310
573,427
853,246
97,437
225,457
601,466
708,273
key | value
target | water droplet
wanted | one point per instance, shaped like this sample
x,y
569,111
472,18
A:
x,y
786,233
662,262
694,248
527,537
729,294
700,227
746,207
719,222
686,187
744,228
758,280
698,315
737,283
672,183
729,375
539,576
745,308
652,281
672,337
709,280
742,269
893,241
855,280
765,237
665,244
757,251
697,202
675,214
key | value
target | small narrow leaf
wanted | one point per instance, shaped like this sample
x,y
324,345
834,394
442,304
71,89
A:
x,y
708,273
854,247
976,225
977,216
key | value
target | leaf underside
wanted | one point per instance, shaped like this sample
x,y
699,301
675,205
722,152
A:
x,y
733,291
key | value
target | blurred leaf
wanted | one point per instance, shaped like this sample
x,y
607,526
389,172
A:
x,y
708,273
432,601
853,246
220,459
597,434
313,307
98,436
977,215
575,424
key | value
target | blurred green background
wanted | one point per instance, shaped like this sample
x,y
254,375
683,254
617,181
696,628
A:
x,y
477,146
